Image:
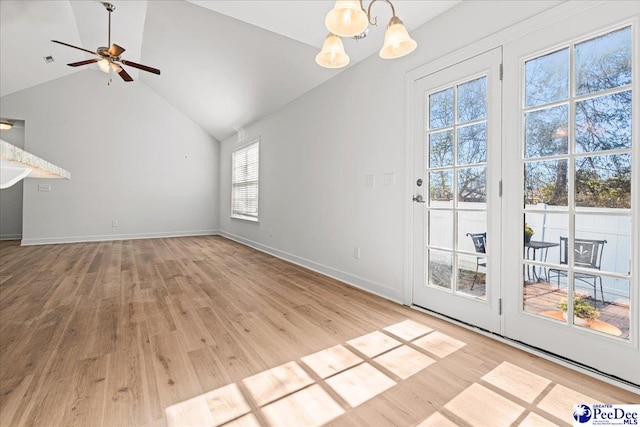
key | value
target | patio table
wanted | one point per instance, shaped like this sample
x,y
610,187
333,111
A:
x,y
534,246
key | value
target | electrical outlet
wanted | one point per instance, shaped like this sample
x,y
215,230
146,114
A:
x,y
44,187
387,179
356,252
114,223
270,232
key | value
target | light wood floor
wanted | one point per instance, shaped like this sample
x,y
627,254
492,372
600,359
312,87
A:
x,y
112,333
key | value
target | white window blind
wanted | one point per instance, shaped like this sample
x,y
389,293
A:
x,y
244,183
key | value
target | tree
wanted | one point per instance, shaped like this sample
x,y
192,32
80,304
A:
x,y
601,123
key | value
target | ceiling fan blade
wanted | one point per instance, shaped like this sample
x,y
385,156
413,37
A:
x,y
125,76
141,67
79,63
75,47
115,50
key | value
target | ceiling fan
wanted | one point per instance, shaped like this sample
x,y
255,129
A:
x,y
108,58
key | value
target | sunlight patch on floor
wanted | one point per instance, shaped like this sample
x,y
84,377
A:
x,y
517,381
373,344
437,420
534,420
287,395
482,407
192,412
309,407
213,408
359,384
276,382
408,330
331,361
248,420
439,344
226,403
560,400
404,361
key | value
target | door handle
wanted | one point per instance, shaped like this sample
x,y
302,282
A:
x,y
418,199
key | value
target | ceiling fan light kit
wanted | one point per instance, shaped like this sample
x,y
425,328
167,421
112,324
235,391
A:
x,y
108,58
349,19
104,65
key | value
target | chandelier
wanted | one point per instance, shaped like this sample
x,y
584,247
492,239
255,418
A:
x,y
349,19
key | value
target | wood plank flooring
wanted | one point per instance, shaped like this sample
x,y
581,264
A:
x,y
113,333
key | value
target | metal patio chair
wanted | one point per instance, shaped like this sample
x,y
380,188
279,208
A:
x,y
587,254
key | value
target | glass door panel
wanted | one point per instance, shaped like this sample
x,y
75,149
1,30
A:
x,y
457,134
457,156
577,158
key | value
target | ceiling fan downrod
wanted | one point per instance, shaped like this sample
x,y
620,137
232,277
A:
x,y
110,8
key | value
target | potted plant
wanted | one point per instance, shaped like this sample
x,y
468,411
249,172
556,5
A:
x,y
528,232
583,311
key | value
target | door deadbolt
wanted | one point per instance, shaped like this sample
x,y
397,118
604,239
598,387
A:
x,y
419,182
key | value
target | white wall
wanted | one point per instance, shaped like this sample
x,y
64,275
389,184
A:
x,y
133,158
316,151
11,198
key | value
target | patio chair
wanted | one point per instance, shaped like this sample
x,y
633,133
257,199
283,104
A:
x,y
587,254
480,245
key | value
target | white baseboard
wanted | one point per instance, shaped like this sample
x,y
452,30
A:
x,y
10,236
350,279
79,239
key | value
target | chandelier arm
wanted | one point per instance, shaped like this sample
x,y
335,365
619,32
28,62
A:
x,y
374,21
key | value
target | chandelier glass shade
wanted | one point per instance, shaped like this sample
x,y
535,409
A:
x,y
349,19
332,54
397,42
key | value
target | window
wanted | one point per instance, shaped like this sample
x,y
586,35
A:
x,y
457,171
577,150
244,182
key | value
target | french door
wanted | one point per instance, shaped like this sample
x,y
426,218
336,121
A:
x,y
571,161
553,262
456,210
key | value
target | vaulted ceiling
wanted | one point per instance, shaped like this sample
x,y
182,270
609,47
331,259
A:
x,y
224,63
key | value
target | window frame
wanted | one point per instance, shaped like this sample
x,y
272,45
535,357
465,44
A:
x,y
245,216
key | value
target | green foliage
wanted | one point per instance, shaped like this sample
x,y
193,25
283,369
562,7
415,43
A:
x,y
592,191
581,309
528,230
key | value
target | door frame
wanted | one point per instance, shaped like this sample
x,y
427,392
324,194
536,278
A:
x,y
435,63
